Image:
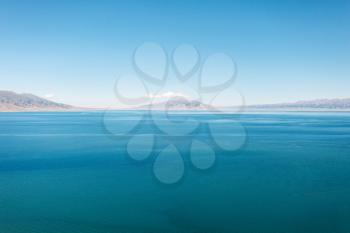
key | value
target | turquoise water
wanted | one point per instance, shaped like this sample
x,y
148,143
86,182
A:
x,y
64,173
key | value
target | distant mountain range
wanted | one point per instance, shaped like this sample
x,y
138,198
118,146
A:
x,y
177,103
180,103
319,104
14,102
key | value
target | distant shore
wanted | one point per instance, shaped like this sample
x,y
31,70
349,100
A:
x,y
218,111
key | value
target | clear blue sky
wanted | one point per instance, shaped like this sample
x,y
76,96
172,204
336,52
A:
x,y
285,50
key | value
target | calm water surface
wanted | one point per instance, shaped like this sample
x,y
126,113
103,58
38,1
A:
x,y
63,173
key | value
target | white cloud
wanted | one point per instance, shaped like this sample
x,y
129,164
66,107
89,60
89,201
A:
x,y
168,94
49,95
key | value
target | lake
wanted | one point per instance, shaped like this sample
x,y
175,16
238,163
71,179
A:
x,y
70,172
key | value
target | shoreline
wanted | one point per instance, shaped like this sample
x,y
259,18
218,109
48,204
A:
x,y
219,111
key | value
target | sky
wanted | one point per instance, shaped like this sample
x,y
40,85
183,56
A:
x,y
73,51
